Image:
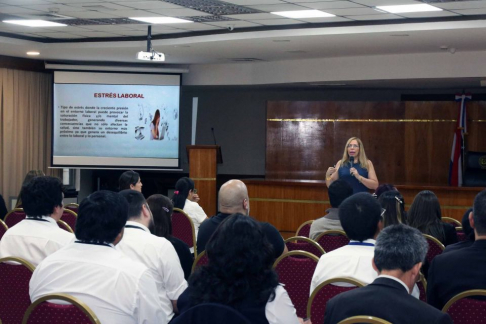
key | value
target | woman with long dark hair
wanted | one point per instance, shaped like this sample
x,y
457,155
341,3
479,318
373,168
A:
x,y
239,274
130,180
426,216
393,204
186,198
161,208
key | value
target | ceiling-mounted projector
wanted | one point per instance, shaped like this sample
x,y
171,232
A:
x,y
151,56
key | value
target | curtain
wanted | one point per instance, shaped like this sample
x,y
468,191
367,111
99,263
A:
x,y
25,128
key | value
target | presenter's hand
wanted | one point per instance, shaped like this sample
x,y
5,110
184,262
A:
x,y
354,172
330,171
195,198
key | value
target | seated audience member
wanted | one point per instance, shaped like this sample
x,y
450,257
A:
x,y
130,180
398,256
3,208
186,199
383,188
468,232
338,191
117,288
38,235
233,198
426,216
240,275
461,270
29,176
360,217
392,203
155,252
161,208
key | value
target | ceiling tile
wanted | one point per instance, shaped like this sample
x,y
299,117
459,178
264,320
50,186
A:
x,y
331,5
89,14
96,34
325,20
353,11
127,12
145,5
179,12
377,17
59,35
374,3
99,6
246,3
236,24
461,5
481,11
429,14
278,7
104,28
24,2
277,22
13,10
59,8
256,16
194,26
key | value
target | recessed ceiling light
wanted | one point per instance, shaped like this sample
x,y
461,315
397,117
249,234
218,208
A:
x,y
303,14
161,20
34,23
409,8
33,53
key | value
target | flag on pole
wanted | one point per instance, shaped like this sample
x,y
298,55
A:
x,y
457,155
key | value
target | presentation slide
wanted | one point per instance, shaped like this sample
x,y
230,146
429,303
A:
x,y
116,120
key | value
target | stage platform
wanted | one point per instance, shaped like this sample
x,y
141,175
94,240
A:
x,y
288,203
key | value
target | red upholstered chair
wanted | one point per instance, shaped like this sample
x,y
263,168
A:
x,y
435,247
295,270
316,307
453,221
44,312
465,310
364,319
202,259
422,286
300,243
461,236
304,229
14,289
3,230
64,226
73,207
14,216
183,228
331,240
69,217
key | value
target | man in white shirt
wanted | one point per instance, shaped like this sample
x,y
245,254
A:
x,y
38,235
399,253
157,253
116,288
360,217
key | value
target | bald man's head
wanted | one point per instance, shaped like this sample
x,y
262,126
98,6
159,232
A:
x,y
233,198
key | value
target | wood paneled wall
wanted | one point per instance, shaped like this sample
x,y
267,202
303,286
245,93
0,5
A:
x,y
408,142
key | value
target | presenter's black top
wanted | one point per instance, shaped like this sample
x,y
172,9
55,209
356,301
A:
x,y
3,208
345,174
208,227
185,255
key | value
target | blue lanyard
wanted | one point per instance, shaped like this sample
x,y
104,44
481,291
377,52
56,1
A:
x,y
361,243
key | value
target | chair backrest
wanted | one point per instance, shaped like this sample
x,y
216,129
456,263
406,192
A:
x,y
15,274
300,243
72,206
464,309
14,216
63,225
304,229
44,312
210,313
422,286
295,269
331,240
461,236
201,259
364,319
453,221
183,228
435,247
3,230
70,218
316,307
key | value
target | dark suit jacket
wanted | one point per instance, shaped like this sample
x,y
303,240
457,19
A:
x,y
384,298
455,272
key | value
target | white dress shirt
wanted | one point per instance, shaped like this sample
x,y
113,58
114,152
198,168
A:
x,y
34,239
196,213
159,255
281,310
116,288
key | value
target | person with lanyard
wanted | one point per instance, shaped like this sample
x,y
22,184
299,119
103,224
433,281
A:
x,y
38,235
116,288
157,253
354,168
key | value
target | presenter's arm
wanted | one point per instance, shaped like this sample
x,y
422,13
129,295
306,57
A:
x,y
372,181
332,174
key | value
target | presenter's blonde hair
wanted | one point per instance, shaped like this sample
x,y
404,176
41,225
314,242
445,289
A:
x,y
363,161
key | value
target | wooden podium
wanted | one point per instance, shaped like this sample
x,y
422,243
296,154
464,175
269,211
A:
x,y
203,160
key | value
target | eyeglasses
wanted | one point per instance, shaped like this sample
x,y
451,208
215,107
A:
x,y
353,145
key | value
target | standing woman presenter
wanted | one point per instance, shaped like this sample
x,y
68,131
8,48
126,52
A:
x,y
354,168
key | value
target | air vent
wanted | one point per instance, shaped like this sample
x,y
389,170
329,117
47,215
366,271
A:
x,y
214,7
203,19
